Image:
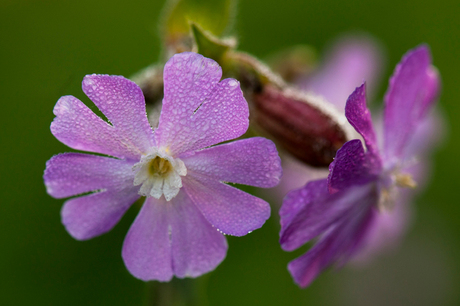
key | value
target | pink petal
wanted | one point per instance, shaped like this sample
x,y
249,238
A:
x,y
310,211
413,89
307,267
388,229
122,102
349,62
189,78
342,239
351,166
303,215
172,238
197,247
252,161
197,110
331,248
71,174
228,209
427,136
360,118
78,127
88,216
147,250
295,175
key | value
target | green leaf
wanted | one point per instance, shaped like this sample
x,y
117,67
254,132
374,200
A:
x,y
216,16
209,45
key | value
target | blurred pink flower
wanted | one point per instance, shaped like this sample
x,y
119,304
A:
x,y
345,209
348,62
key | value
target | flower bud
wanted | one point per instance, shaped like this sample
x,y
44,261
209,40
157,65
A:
x,y
299,123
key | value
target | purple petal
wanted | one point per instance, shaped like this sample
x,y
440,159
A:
x,y
390,226
71,174
413,89
122,102
228,209
88,216
197,111
189,79
197,247
78,127
311,210
427,136
351,166
387,229
303,214
295,175
307,267
359,117
252,161
172,238
350,61
147,249
342,239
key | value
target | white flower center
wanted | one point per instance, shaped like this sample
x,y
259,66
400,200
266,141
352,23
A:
x,y
159,174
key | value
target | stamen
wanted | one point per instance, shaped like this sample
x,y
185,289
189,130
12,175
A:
x,y
386,200
405,180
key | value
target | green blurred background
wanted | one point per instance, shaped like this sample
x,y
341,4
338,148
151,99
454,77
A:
x,y
48,46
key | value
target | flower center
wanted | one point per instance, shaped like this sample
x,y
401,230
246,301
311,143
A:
x,y
160,166
159,174
389,191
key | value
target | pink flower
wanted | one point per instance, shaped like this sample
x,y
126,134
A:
x,y
188,207
344,209
347,63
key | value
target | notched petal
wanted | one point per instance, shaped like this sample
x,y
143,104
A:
x,y
351,166
228,209
360,118
198,110
413,89
252,161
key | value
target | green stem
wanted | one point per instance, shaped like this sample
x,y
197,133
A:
x,y
178,292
